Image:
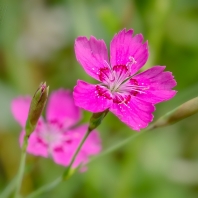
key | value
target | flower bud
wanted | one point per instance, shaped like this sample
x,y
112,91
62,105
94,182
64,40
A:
x,y
183,111
36,107
96,119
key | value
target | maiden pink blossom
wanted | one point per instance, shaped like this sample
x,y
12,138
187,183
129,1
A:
x,y
57,137
129,95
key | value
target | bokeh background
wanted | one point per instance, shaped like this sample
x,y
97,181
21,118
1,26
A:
x,y
37,44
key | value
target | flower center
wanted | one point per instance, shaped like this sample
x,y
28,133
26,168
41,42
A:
x,y
53,136
119,81
113,78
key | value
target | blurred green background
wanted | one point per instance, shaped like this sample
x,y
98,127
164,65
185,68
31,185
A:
x,y
37,44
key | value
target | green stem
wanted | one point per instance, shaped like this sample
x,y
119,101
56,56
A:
x,y
120,144
21,167
45,188
116,146
66,174
9,189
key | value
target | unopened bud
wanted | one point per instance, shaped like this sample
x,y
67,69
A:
x,y
36,107
183,111
96,119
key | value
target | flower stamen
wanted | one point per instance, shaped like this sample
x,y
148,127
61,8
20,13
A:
x,y
131,62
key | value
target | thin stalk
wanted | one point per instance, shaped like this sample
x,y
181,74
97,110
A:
x,y
45,188
21,167
9,189
67,171
115,147
120,144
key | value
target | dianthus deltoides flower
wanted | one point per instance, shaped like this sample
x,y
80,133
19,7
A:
x,y
57,137
129,95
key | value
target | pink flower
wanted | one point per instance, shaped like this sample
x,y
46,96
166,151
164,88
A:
x,y
128,95
57,137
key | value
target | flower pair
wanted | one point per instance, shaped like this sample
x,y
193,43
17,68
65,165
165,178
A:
x,y
130,95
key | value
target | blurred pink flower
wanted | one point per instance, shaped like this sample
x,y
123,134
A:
x,y
128,95
57,137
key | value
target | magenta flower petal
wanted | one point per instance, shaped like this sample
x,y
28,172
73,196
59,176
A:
x,y
92,146
61,109
94,98
20,107
36,144
159,85
128,50
136,113
92,54
62,156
